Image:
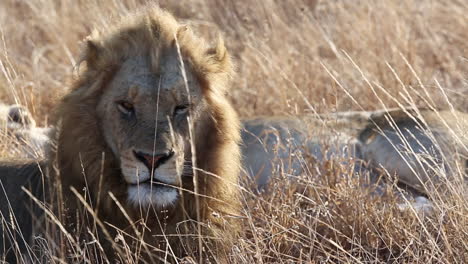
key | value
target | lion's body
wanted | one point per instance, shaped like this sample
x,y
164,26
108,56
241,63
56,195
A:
x,y
421,146
19,213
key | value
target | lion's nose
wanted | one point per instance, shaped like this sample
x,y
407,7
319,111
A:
x,y
153,161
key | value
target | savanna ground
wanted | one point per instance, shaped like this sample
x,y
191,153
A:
x,y
292,58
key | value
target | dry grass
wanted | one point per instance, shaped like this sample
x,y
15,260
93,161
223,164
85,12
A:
x,y
291,59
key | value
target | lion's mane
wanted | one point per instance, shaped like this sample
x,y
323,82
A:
x,y
84,160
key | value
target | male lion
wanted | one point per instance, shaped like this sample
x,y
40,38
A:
x,y
147,122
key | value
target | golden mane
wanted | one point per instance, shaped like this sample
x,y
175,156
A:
x,y
148,33
81,147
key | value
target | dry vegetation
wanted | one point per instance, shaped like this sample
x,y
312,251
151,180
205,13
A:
x,y
291,59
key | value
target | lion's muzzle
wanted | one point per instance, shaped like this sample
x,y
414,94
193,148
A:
x,y
152,178
151,161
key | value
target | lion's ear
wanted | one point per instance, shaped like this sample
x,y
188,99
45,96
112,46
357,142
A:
x,y
219,51
220,63
91,50
182,31
220,57
91,53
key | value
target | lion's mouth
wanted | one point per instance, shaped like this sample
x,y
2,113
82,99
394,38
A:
x,y
156,183
153,192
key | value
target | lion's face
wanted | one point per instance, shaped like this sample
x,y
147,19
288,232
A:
x,y
144,116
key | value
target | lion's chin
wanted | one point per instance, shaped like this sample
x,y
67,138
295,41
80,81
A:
x,y
145,195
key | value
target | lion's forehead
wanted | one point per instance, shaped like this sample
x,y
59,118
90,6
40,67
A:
x,y
136,76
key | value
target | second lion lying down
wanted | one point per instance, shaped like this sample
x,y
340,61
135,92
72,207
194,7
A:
x,y
419,146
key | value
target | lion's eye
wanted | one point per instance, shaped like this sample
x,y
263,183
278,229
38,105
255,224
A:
x,y
181,109
125,107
